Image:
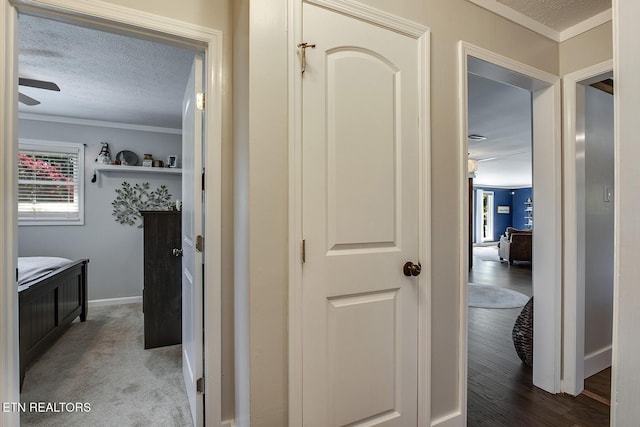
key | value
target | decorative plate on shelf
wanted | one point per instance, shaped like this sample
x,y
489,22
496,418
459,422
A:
x,y
127,157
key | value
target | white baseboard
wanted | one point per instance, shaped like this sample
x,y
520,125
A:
x,y
114,301
597,361
454,419
228,423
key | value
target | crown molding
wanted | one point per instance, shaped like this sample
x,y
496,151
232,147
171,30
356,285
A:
x,y
586,25
98,123
544,30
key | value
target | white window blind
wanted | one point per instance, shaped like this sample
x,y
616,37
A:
x,y
50,183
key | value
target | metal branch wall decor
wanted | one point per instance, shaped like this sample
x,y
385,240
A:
x,y
131,199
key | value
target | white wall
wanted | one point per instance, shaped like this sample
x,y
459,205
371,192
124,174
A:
x,y
625,410
599,218
114,250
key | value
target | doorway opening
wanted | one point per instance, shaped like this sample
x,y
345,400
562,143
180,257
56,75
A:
x,y
543,92
588,231
150,27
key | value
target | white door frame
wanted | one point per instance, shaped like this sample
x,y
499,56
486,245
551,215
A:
x,y
478,220
204,39
574,278
421,34
547,265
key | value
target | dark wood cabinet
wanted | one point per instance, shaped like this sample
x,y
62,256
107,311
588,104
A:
x,y
162,294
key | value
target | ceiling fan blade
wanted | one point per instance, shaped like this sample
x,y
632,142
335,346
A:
x,y
27,100
40,84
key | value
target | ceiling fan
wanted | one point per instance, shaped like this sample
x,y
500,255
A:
x,y
39,84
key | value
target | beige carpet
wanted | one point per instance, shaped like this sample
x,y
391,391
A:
x,y
102,363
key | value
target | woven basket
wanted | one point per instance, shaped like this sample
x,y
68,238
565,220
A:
x,y
522,334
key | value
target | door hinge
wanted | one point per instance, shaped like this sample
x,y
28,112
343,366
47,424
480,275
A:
x,y
200,101
304,251
203,180
199,243
200,385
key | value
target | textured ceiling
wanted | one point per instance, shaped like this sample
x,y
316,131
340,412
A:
x,y
102,76
502,114
558,14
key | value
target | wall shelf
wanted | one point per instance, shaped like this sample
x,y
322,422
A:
x,y
139,169
528,214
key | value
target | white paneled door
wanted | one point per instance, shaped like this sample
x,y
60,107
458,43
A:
x,y
192,220
361,174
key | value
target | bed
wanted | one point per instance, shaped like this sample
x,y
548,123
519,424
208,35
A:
x,y
52,293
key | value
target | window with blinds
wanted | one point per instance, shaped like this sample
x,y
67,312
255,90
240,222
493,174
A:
x,y
50,183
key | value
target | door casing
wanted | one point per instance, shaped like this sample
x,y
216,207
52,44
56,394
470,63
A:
x,y
124,19
421,34
545,89
573,272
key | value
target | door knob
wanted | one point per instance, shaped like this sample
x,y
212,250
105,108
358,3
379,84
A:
x,y
411,269
177,252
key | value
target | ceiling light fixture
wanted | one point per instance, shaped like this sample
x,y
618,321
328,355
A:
x,y
476,137
472,166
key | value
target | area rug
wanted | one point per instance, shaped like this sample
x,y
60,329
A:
x,y
486,296
486,253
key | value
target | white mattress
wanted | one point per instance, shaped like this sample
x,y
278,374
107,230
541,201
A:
x,y
34,267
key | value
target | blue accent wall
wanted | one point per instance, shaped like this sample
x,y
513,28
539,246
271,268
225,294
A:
x,y
515,199
519,197
501,197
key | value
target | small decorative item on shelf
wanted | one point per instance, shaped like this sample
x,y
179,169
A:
x,y
158,164
104,156
147,161
127,158
172,161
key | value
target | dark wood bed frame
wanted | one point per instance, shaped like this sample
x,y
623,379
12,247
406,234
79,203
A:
x,y
47,309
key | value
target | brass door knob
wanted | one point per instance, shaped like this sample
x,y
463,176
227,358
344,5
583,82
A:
x,y
411,269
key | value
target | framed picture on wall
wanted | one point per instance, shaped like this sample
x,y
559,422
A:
x,y
504,209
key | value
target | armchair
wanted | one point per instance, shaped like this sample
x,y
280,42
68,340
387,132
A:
x,y
516,245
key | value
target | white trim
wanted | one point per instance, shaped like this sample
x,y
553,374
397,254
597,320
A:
x,y
540,28
586,25
202,38
455,419
422,35
114,301
57,147
9,358
573,306
424,244
295,217
373,15
546,107
597,361
464,231
141,22
519,18
97,123
510,64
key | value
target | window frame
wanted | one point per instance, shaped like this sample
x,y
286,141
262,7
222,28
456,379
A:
x,y
56,147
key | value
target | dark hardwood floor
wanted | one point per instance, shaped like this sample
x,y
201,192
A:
x,y
598,386
500,390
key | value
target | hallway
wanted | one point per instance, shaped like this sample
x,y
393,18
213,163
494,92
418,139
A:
x,y
500,390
